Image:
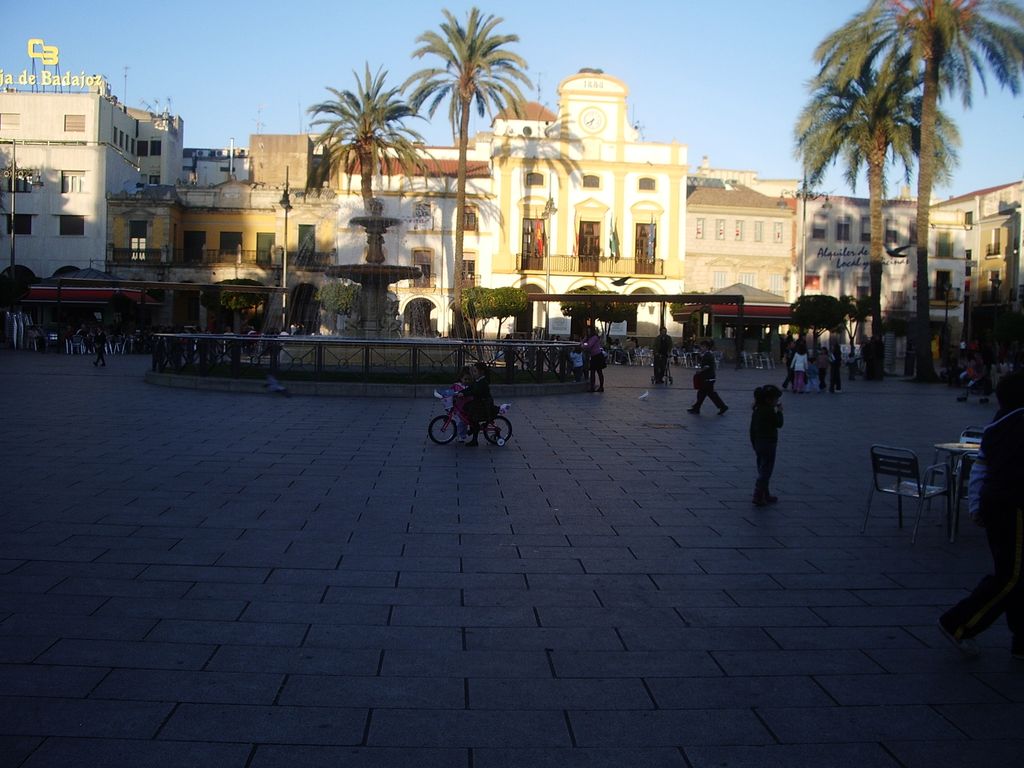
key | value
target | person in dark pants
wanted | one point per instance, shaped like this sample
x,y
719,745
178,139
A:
x,y
765,423
835,367
479,401
661,349
787,358
996,502
704,381
99,340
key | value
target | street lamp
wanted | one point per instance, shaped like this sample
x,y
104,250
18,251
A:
x,y
13,174
996,282
803,193
549,211
286,205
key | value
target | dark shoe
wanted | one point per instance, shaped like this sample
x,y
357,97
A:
x,y
771,499
600,389
722,410
1017,649
759,498
695,411
966,646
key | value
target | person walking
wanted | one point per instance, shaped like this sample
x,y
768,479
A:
x,y
799,367
99,341
787,358
704,382
821,363
591,344
765,423
835,367
996,502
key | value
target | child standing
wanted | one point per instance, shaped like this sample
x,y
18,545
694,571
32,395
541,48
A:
x,y
765,423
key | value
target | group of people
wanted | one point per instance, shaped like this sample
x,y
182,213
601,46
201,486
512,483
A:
x,y
808,371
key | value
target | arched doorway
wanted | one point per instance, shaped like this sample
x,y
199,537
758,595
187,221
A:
x,y
304,309
418,319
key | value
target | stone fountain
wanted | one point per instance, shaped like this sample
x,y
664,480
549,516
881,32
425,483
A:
x,y
376,314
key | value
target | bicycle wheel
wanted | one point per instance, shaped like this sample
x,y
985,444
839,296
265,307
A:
x,y
442,429
498,430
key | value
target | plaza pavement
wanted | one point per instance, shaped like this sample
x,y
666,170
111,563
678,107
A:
x,y
207,579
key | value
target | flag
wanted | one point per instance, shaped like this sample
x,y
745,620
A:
x,y
650,240
538,237
613,241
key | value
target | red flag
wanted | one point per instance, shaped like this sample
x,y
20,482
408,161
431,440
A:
x,y
538,236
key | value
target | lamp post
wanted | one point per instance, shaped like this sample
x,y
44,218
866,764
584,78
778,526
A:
x,y
13,174
286,205
803,193
996,283
549,211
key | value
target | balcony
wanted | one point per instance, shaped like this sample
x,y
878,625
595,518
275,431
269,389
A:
x,y
993,249
588,265
179,257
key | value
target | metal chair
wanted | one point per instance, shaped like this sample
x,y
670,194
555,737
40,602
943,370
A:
x,y
896,471
972,435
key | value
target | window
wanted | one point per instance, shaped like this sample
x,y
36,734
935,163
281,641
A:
x,y
10,120
590,181
968,218
230,244
943,282
307,241
897,300
469,269
469,222
819,227
749,278
143,147
912,231
718,281
646,242
74,123
776,286
944,244
72,225
154,179
534,180
891,233
424,259
589,245
72,181
739,230
758,231
865,229
719,229
700,229
137,240
777,232
646,184
992,248
534,242
154,147
843,226
22,223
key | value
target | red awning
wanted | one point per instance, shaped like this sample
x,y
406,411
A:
x,y
47,294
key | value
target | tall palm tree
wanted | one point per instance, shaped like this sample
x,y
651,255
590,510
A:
x,y
870,122
475,65
944,43
364,129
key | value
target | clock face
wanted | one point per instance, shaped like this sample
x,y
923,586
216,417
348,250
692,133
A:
x,y
592,119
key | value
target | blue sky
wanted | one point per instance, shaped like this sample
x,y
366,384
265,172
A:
x,y
726,78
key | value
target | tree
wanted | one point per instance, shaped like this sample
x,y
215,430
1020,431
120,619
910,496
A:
x,y
855,312
476,65
363,130
942,44
338,297
607,312
822,313
868,121
235,301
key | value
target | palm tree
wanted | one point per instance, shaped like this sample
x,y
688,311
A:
x,y
475,65
942,44
870,122
364,130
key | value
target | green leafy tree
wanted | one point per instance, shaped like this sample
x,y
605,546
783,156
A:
x,y
855,312
508,302
820,313
364,130
475,64
868,122
606,312
338,297
943,44
235,301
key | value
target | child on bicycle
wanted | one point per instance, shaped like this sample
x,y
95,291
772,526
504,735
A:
x,y
476,401
458,403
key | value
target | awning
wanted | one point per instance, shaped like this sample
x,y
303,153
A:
x,y
751,312
47,294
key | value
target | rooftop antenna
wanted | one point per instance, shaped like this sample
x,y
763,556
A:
x,y
124,95
638,126
259,118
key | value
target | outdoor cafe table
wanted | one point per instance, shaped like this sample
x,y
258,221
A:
x,y
955,453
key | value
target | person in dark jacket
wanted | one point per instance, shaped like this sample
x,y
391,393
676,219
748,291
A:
x,y
661,349
479,401
996,502
99,341
765,423
835,367
704,381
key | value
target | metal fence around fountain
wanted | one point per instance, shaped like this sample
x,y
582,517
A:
x,y
327,358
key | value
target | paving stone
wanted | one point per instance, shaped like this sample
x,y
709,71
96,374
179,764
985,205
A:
x,y
14,749
599,664
858,724
374,692
821,638
384,638
792,756
986,721
577,758
265,725
465,728
228,632
123,753
559,694
306,660
277,756
917,753
68,626
707,693
117,653
410,663
35,716
667,728
43,680
857,690
204,687
542,638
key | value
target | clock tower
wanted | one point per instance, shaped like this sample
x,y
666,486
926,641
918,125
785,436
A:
x,y
594,105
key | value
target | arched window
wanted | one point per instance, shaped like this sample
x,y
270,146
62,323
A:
x,y
590,181
534,179
646,184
